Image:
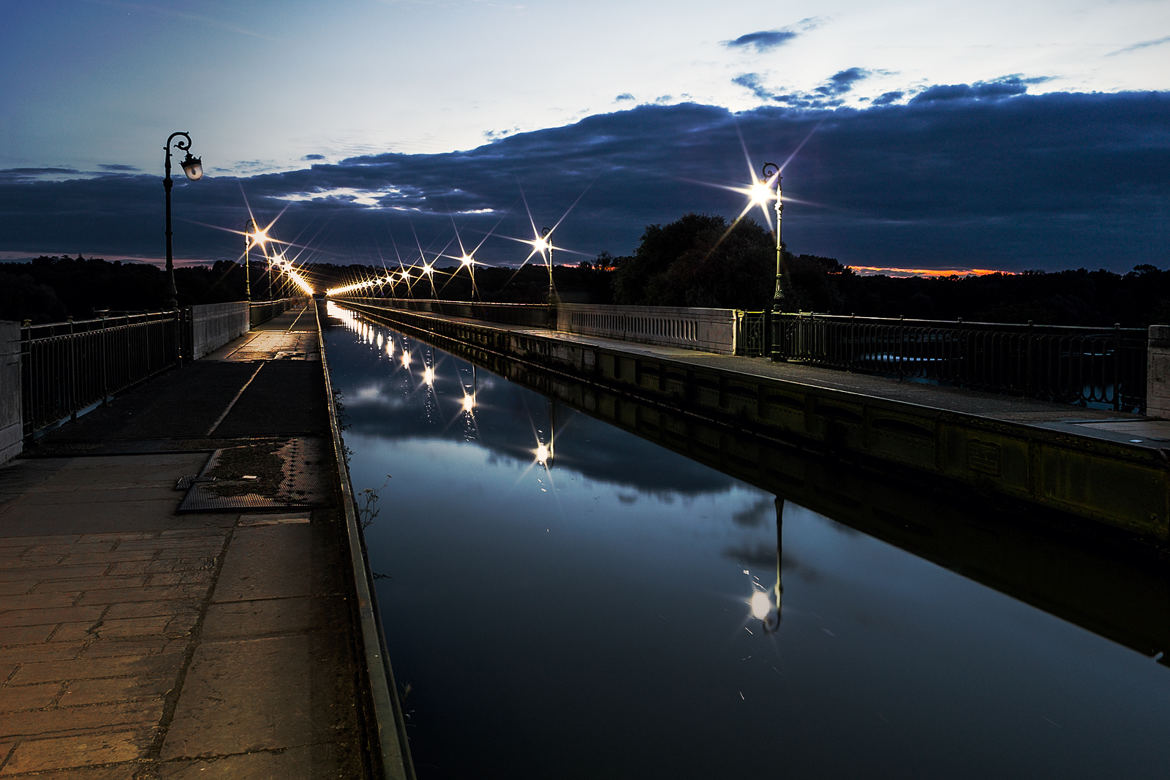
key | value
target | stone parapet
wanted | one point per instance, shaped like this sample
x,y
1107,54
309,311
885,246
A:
x,y
215,324
1158,372
11,417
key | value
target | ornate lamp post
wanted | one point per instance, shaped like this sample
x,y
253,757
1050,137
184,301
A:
x,y
772,180
249,237
193,168
545,247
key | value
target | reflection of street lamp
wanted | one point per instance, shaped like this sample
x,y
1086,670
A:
x,y
762,191
193,168
546,454
762,605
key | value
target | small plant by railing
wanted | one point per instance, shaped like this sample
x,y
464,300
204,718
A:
x,y
1102,367
67,366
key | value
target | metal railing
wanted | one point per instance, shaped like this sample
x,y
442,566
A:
x,y
1102,367
68,366
750,329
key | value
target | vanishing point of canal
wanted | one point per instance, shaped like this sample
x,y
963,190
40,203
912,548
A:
x,y
563,599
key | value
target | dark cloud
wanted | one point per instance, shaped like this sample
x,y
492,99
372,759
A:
x,y
827,95
981,174
30,174
886,98
625,96
309,157
1139,46
753,82
762,40
118,168
1008,86
841,82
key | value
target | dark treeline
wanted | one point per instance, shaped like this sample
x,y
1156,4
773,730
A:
x,y
51,289
694,261
702,261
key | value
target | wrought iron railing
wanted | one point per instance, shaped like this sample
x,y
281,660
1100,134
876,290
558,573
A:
x,y
749,333
1101,367
68,366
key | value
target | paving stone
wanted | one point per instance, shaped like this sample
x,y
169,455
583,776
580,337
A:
x,y
321,760
77,751
14,698
267,562
16,587
16,540
113,648
73,632
41,600
91,583
241,619
113,689
24,635
54,573
46,671
143,593
39,617
58,721
132,627
200,577
108,772
169,626
250,695
136,609
42,652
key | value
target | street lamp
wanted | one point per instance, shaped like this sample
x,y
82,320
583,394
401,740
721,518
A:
x,y
764,190
249,237
193,168
545,247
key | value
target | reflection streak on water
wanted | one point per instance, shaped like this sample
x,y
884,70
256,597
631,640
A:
x,y
613,610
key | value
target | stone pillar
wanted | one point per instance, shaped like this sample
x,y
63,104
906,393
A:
x,y
1158,372
11,417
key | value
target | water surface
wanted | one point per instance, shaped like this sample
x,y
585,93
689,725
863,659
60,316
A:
x,y
564,599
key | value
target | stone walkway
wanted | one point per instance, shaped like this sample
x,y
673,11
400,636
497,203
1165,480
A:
x,y
136,641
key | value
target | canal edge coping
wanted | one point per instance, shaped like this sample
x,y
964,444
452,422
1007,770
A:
x,y
393,745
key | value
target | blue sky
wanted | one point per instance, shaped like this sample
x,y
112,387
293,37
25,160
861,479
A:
x,y
942,134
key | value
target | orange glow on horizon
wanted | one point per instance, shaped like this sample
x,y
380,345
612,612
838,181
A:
x,y
930,273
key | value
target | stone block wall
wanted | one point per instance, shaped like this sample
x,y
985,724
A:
x,y
11,417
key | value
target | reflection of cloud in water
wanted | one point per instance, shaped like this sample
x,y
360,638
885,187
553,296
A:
x,y
754,515
506,417
626,498
761,557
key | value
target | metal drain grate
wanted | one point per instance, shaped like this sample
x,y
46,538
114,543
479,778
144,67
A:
x,y
287,473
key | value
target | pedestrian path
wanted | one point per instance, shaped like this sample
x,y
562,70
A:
x,y
138,640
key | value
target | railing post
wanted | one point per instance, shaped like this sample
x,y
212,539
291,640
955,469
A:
x,y
1158,371
11,394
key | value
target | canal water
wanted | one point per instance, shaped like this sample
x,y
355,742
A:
x,y
563,599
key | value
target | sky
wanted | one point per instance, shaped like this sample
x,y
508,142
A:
x,y
932,135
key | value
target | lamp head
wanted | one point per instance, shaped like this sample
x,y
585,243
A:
x,y
193,167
